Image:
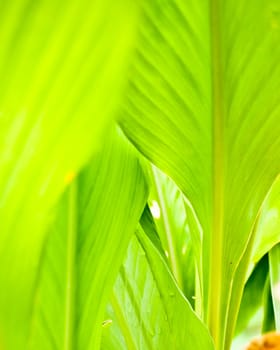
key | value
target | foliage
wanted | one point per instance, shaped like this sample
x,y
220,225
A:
x,y
161,234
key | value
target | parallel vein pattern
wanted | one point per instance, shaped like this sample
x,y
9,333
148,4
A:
x,y
154,311
204,95
85,249
62,67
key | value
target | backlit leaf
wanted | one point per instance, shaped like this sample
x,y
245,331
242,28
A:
x,y
203,105
86,246
147,308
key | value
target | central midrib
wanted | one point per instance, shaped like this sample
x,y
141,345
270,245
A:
x,y
214,301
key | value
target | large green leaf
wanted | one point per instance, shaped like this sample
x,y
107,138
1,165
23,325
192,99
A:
x,y
203,105
147,309
87,243
62,71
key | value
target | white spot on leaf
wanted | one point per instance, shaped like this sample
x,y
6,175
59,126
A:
x,y
155,209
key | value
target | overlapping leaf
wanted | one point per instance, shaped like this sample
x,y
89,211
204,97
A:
x,y
172,225
264,237
252,297
147,309
268,225
86,245
62,69
203,105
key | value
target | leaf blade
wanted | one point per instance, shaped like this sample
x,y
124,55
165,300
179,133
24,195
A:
x,y
153,306
54,108
207,130
92,258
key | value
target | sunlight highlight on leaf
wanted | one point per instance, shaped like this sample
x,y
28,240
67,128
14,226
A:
x,y
155,209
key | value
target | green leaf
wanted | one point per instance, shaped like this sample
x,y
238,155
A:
x,y
172,225
264,236
274,266
268,225
203,105
268,324
62,67
86,246
149,227
253,296
147,308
